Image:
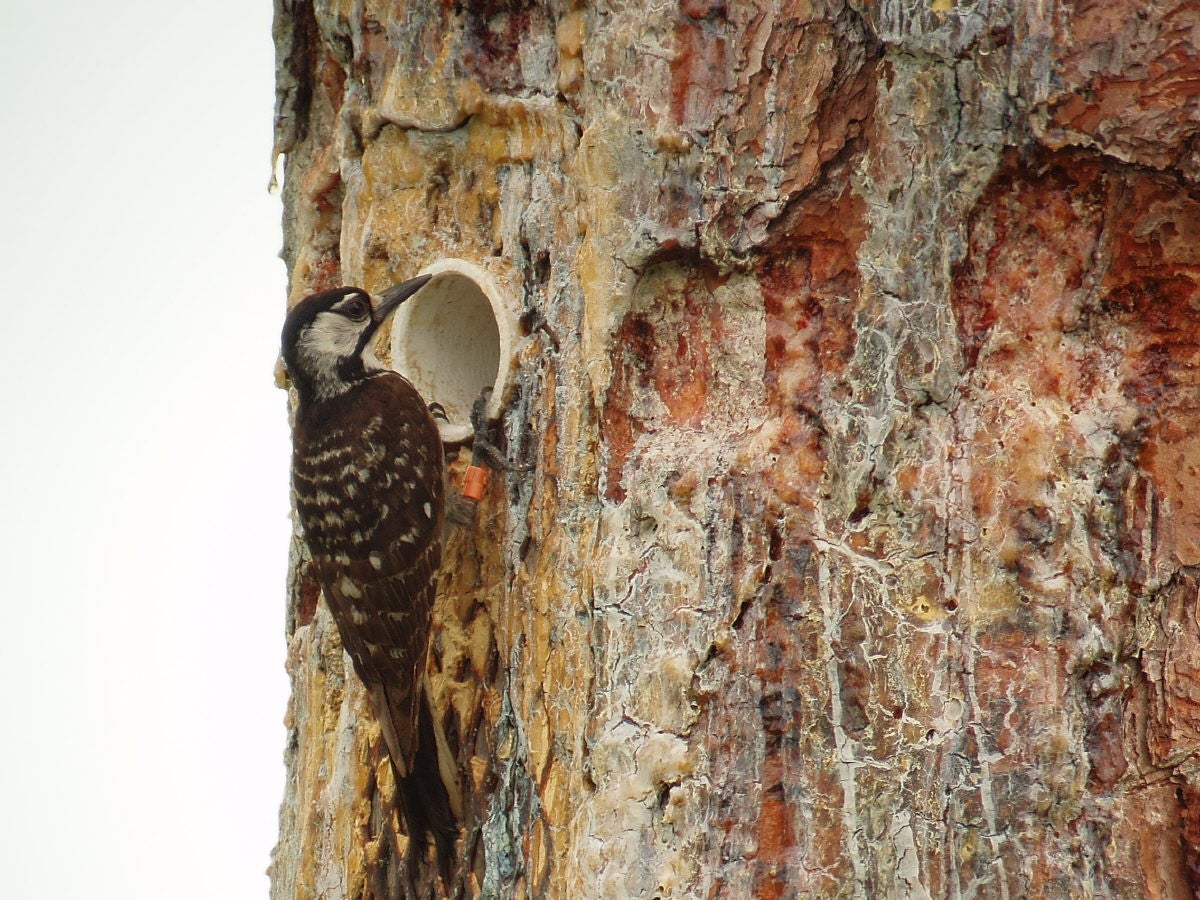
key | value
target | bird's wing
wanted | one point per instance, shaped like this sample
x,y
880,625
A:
x,y
390,612
382,588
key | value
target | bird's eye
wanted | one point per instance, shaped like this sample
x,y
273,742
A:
x,y
356,308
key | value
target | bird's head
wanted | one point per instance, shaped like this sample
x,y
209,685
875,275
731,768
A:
x,y
327,337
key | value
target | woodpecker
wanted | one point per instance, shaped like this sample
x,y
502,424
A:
x,y
368,474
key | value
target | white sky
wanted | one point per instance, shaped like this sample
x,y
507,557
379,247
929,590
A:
x,y
143,456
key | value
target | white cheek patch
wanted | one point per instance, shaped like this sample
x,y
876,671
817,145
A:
x,y
329,340
330,335
324,344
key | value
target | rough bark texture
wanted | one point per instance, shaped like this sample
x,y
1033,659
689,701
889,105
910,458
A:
x,y
861,555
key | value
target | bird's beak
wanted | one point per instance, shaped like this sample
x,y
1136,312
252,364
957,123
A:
x,y
390,300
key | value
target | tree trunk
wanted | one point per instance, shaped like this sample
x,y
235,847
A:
x,y
861,553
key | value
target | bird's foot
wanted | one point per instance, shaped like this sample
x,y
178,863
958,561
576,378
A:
x,y
484,450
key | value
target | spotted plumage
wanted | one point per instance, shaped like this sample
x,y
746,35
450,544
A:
x,y
369,482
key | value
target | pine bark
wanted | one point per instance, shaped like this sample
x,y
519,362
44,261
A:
x,y
860,556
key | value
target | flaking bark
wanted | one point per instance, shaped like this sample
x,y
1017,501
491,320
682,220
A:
x,y
859,558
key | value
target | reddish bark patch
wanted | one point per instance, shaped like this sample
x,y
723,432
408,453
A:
x,y
773,96
1105,752
494,33
1152,287
699,68
306,600
775,834
663,354
1030,249
1172,666
1128,81
325,274
1189,804
1077,270
808,280
1079,315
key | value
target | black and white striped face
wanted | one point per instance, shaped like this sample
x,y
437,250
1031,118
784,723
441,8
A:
x,y
327,337
334,348
324,339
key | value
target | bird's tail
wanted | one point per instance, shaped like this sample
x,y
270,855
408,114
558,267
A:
x,y
431,808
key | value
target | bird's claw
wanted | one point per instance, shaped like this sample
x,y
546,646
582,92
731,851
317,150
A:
x,y
484,451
